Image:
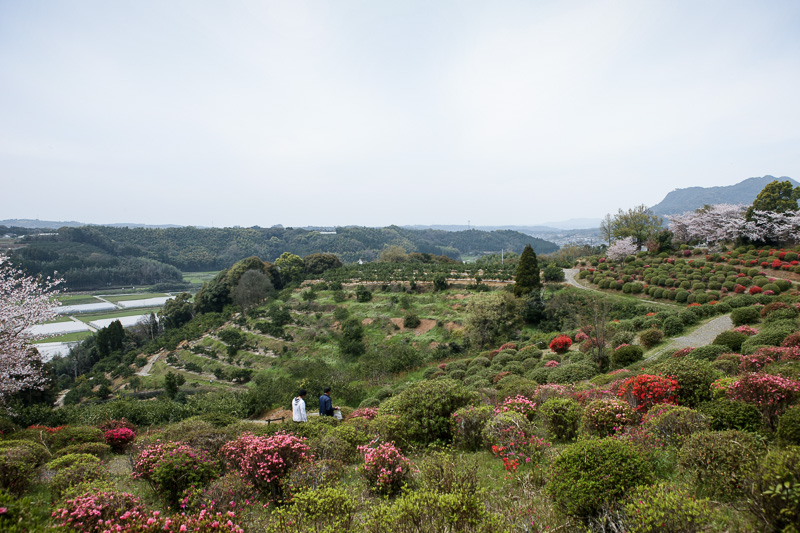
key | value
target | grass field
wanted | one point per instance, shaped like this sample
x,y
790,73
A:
x,y
77,299
199,278
69,337
118,314
129,297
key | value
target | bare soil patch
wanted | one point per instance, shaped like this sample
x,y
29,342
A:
x,y
425,325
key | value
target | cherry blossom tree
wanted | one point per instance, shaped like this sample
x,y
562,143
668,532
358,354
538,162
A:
x,y
24,302
711,224
621,249
769,226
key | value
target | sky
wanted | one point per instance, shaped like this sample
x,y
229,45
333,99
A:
x,y
247,113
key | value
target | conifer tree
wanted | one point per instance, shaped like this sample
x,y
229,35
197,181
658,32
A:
x,y
527,278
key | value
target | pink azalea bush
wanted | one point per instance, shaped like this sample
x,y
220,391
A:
x,y
367,413
92,512
138,521
746,330
119,438
771,394
265,460
385,467
520,404
173,467
607,416
552,364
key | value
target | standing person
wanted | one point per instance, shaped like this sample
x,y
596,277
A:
x,y
325,406
299,407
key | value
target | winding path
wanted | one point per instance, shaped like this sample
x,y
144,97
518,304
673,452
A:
x,y
703,335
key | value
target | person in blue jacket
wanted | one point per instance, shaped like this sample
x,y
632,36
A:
x,y
325,406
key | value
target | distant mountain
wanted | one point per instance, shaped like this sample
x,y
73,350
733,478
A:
x,y
691,198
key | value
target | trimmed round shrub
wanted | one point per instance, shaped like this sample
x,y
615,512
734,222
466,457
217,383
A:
x,y
708,353
789,426
540,375
774,489
17,467
467,426
561,417
607,416
730,339
425,408
626,355
505,428
74,469
571,373
694,379
724,414
71,435
666,507
672,424
119,438
650,337
593,473
745,315
560,344
672,325
97,449
720,461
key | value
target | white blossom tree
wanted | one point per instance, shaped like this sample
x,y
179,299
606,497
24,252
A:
x,y
715,223
768,226
24,302
621,249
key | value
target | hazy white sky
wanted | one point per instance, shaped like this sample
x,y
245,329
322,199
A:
x,y
389,112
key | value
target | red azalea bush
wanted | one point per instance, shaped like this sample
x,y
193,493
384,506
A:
x,y
771,394
755,289
92,512
172,467
525,450
120,438
645,390
264,461
385,467
561,344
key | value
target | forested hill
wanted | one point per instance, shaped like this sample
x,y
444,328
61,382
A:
x,y
80,253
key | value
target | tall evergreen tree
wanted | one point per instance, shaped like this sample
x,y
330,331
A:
x,y
777,197
527,278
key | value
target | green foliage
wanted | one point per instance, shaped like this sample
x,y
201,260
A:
x,y
665,507
775,490
425,408
72,435
411,321
20,515
789,426
97,449
592,473
177,311
74,469
440,283
317,263
730,339
626,355
720,461
694,378
324,509
527,277
777,197
572,373
650,337
467,426
745,315
672,424
172,382
351,341
17,467
708,353
561,417
725,414
291,267
553,273
491,318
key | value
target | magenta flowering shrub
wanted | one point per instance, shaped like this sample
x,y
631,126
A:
x,y
138,521
746,330
385,467
520,404
771,394
265,460
119,438
551,364
755,361
550,390
607,416
91,512
173,467
367,413
683,352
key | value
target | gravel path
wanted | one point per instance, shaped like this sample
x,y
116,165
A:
x,y
701,336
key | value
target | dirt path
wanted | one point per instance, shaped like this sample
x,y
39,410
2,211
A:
x,y
145,371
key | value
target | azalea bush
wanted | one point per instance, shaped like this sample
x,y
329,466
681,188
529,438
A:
x,y
264,461
385,468
520,404
119,438
607,416
645,390
771,394
173,467
93,511
561,344
467,426
561,417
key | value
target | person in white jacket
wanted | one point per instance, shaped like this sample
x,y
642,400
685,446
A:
x,y
299,407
